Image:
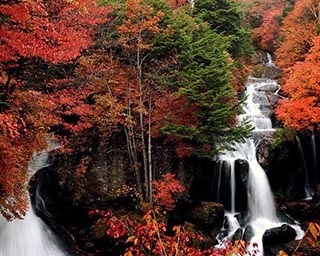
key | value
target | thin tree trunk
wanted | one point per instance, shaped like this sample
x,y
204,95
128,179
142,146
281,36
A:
x,y
150,156
132,149
143,143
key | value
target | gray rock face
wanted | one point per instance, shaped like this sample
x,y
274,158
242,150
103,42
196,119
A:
x,y
263,152
272,72
248,233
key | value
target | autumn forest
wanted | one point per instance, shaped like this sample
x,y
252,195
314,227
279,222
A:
x,y
144,78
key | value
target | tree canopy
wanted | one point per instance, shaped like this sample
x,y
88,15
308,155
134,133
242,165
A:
x,y
144,70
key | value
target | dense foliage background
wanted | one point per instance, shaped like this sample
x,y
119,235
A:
x,y
140,75
145,71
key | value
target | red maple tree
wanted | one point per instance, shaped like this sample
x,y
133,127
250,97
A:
x,y
297,31
302,109
35,35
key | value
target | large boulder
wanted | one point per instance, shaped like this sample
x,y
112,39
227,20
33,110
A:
x,y
263,151
279,235
248,233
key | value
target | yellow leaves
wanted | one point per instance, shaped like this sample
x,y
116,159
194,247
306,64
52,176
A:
x,y
128,254
139,26
177,229
239,248
147,217
132,239
314,229
283,253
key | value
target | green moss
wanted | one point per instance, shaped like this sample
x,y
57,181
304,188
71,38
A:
x,y
283,135
258,70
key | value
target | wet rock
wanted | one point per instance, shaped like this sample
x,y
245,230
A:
x,y
263,151
248,233
272,72
302,211
237,235
269,86
242,167
261,99
272,98
278,235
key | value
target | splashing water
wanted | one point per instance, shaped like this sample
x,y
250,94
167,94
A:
x,y
30,236
261,204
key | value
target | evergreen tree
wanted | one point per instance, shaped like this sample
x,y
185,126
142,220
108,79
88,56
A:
x,y
226,17
203,79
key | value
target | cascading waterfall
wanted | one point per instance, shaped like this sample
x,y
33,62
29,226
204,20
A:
x,y
30,236
261,206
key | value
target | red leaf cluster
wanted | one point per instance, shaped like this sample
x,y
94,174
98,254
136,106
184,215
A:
x,y
302,110
34,33
149,237
165,189
55,31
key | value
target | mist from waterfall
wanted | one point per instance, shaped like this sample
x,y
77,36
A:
x,y
29,236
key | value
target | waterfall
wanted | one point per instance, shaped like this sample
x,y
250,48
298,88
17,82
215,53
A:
x,y
260,197
260,200
270,62
261,206
307,188
30,236
314,157
225,192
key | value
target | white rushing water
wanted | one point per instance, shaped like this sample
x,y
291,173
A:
x,y
29,236
261,205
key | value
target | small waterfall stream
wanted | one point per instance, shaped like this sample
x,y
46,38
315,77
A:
x,y
29,236
261,206
307,188
307,164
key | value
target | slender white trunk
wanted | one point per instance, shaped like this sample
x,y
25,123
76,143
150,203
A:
x,y
143,143
150,155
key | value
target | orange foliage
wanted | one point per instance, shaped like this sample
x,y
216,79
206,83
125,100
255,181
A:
x,y
34,32
266,34
298,30
302,110
165,189
177,3
139,26
18,139
54,31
